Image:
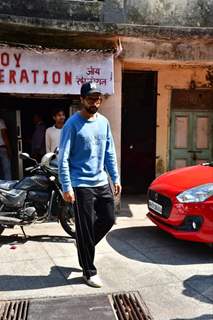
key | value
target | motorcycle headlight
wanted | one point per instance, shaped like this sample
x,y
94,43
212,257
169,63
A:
x,y
197,194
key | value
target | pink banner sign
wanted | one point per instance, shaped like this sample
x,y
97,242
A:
x,y
54,72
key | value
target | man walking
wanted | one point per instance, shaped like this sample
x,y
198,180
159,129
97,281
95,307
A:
x,y
86,154
52,136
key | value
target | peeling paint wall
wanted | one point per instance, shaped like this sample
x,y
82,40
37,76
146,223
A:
x,y
176,77
169,77
54,9
178,62
196,13
113,11
112,109
180,49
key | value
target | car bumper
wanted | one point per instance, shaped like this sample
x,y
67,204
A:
x,y
190,227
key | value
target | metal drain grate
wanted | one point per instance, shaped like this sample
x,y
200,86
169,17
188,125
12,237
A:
x,y
129,306
14,310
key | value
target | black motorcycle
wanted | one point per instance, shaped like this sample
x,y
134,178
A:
x,y
36,198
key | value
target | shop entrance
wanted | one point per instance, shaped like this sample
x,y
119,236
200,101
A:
x,y
138,149
18,111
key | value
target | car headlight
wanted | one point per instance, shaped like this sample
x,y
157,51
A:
x,y
197,194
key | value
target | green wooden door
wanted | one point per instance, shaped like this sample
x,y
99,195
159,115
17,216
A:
x,y
190,138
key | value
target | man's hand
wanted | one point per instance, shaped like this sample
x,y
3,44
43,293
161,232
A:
x,y
69,196
117,189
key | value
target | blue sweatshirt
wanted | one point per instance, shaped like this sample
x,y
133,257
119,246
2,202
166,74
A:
x,y
86,151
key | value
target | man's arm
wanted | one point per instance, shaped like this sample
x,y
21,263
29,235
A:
x,y
66,140
111,161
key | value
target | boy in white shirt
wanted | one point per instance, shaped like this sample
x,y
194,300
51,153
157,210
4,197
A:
x,y
52,136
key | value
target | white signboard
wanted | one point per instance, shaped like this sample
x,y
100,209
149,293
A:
x,y
54,72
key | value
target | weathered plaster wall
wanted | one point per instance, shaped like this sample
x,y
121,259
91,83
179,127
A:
x,y
175,49
177,61
112,109
197,13
170,77
53,9
176,77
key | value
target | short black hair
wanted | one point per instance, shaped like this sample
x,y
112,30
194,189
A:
x,y
57,110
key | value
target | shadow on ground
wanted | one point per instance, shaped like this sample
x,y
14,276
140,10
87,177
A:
x,y
205,285
202,317
57,277
18,239
149,244
156,246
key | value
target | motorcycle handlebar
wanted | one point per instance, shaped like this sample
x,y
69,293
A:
x,y
37,167
32,169
29,169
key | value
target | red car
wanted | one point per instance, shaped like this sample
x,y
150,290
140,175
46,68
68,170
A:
x,y
181,202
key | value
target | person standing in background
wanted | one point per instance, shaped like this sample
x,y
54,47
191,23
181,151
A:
x,y
52,136
38,137
5,152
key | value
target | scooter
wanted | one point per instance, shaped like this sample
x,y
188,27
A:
x,y
36,198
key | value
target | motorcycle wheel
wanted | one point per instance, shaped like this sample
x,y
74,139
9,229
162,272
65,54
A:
x,y
67,220
1,229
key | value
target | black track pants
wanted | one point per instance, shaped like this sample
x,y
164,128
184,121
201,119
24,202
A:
x,y
94,217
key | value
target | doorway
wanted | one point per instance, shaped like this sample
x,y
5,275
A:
x,y
17,112
138,146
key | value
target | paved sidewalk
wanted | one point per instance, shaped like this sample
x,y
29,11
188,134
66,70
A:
x,y
175,278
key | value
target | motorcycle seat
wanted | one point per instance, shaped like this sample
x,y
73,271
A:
x,y
7,185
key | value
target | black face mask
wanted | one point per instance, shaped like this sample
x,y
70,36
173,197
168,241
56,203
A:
x,y
91,110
